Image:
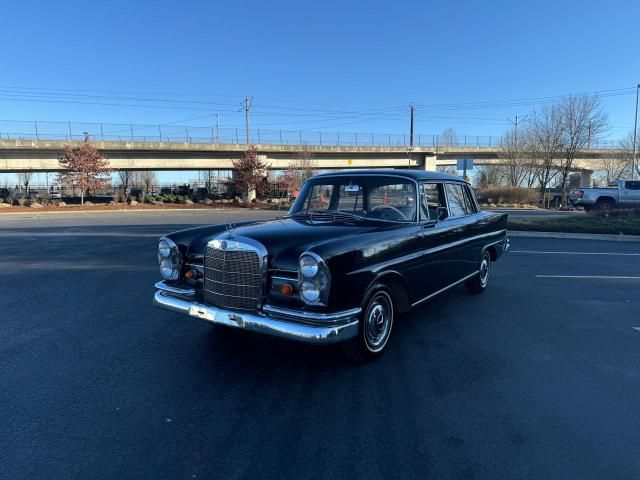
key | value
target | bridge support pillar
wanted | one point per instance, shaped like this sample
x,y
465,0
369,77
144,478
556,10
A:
x,y
586,179
430,162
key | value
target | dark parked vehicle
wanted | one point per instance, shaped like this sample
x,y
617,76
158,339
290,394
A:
x,y
200,193
356,249
6,195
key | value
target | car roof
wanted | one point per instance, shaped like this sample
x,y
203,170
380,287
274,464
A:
x,y
396,172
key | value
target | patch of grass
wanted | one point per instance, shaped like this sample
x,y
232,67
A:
x,y
625,225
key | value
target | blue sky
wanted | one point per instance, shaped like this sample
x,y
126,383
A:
x,y
331,65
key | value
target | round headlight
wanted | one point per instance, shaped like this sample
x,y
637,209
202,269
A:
x,y
169,269
308,266
164,248
310,291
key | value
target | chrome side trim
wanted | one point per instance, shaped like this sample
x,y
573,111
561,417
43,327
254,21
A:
x,y
444,289
313,334
318,317
182,292
439,248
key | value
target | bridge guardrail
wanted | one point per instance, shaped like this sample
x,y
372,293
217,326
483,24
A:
x,y
78,131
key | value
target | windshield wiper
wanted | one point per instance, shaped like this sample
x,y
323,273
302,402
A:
x,y
334,214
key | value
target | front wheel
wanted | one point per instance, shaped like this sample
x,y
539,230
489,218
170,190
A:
x,y
375,327
478,283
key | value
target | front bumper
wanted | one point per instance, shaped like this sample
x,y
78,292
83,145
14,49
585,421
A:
x,y
304,327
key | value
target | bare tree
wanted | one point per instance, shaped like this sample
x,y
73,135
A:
x,y
614,166
448,138
24,179
618,163
301,167
206,177
583,122
529,156
490,176
449,170
148,179
545,144
515,165
125,181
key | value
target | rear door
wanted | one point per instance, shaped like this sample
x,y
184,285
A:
x,y
439,263
463,211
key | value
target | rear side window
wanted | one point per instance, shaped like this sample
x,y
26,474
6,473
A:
x,y
459,200
634,185
468,199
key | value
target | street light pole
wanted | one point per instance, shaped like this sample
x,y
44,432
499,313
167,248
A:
x,y
635,136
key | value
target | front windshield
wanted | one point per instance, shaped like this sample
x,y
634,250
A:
x,y
383,198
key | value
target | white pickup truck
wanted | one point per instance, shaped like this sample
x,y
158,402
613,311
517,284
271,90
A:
x,y
621,194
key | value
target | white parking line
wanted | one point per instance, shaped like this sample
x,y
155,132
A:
x,y
577,253
600,277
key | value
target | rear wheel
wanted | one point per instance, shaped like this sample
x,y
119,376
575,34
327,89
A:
x,y
604,206
478,283
375,327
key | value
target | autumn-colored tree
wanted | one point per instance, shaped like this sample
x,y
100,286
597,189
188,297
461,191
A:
x,y
249,174
84,167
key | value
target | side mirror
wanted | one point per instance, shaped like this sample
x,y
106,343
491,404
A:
x,y
442,213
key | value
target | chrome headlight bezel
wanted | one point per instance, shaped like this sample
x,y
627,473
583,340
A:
x,y
170,259
314,279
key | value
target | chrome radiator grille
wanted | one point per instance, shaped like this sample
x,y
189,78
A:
x,y
232,278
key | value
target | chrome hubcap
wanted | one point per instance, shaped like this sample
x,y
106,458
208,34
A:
x,y
485,266
378,323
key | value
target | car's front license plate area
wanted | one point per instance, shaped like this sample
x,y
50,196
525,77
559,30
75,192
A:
x,y
203,313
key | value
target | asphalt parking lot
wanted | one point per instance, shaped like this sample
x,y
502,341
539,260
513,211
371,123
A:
x,y
537,378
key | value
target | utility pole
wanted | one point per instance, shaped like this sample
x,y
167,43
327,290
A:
x,y
411,127
635,136
217,128
247,107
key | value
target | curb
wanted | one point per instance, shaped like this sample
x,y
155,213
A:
x,y
575,236
126,210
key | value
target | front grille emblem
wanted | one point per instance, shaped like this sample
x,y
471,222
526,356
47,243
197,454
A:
x,y
223,245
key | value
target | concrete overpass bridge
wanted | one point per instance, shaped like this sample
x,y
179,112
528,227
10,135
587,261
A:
x,y
42,156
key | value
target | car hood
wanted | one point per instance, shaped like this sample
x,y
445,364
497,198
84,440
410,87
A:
x,y
285,239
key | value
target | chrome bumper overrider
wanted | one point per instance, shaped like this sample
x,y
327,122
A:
x,y
301,326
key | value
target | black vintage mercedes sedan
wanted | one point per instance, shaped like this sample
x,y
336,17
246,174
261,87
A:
x,y
356,249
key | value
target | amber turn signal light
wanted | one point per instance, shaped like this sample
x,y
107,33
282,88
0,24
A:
x,y
190,274
286,289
